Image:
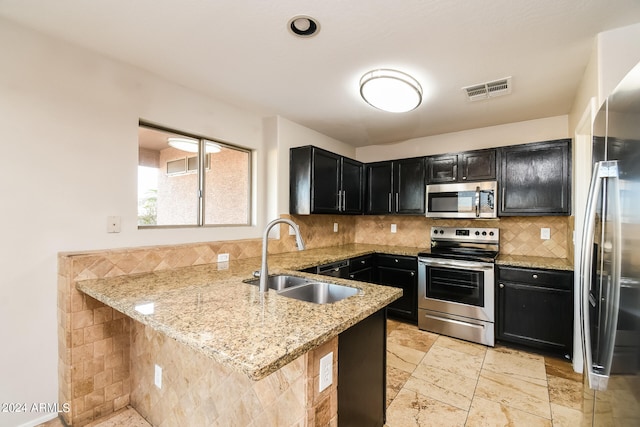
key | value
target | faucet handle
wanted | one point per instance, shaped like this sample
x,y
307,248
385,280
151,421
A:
x,y
256,273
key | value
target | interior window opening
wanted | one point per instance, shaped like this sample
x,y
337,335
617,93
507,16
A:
x,y
190,181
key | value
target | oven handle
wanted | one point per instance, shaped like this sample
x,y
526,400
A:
x,y
458,265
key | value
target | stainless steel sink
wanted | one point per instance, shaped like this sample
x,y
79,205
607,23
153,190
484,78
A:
x,y
304,289
280,282
319,292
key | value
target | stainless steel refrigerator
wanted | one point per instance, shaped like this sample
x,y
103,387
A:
x,y
610,263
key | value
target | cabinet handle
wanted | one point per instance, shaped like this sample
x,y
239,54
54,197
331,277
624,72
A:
x,y
413,274
396,260
501,285
464,178
535,276
344,200
389,202
362,261
397,205
352,276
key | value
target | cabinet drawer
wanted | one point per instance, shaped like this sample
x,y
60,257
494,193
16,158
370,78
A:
x,y
360,263
397,261
550,278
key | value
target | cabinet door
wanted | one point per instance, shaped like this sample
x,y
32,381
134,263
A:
x,y
325,182
400,272
352,186
409,186
379,188
539,315
477,166
443,168
535,179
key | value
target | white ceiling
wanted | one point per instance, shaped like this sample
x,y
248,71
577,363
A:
x,y
240,51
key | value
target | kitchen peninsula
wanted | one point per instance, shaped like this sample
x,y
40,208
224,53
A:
x,y
218,348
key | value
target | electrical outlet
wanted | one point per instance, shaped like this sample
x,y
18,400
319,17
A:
x,y
545,233
326,371
394,228
335,227
157,378
223,257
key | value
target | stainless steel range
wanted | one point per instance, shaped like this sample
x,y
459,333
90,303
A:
x,y
456,283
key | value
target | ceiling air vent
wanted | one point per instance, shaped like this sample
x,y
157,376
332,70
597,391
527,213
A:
x,y
489,89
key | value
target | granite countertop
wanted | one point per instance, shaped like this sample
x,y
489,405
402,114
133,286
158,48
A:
x,y
211,309
535,262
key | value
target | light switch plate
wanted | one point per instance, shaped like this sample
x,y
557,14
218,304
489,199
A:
x,y
223,257
335,227
394,228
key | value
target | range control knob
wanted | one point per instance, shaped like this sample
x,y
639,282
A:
x,y
484,233
491,233
477,233
441,231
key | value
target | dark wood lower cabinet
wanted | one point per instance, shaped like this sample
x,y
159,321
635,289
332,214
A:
x,y
362,379
401,272
535,308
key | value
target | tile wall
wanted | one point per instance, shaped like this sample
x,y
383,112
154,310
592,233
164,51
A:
x,y
197,390
518,235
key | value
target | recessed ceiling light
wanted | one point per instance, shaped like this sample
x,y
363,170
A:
x,y
191,145
303,26
391,90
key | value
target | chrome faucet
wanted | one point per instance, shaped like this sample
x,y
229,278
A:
x,y
264,273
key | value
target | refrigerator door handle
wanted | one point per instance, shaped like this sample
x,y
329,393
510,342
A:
x,y
598,371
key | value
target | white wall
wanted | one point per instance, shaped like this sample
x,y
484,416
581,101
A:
x,y
618,52
68,135
494,136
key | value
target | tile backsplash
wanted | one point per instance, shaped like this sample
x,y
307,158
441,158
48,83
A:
x,y
518,235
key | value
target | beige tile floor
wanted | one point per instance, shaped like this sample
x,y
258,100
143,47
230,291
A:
x,y
435,380
439,381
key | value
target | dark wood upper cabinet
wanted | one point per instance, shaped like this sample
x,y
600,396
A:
x,y
535,179
479,165
322,182
396,187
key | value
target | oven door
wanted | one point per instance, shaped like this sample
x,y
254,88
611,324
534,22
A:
x,y
457,287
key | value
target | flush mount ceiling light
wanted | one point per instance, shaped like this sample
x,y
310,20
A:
x,y
303,26
391,90
191,145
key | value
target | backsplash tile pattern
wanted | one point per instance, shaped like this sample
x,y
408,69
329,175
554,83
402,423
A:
x,y
518,235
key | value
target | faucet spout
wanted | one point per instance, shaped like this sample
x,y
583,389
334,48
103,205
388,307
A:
x,y
264,273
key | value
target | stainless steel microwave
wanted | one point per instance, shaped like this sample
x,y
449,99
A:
x,y
462,200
